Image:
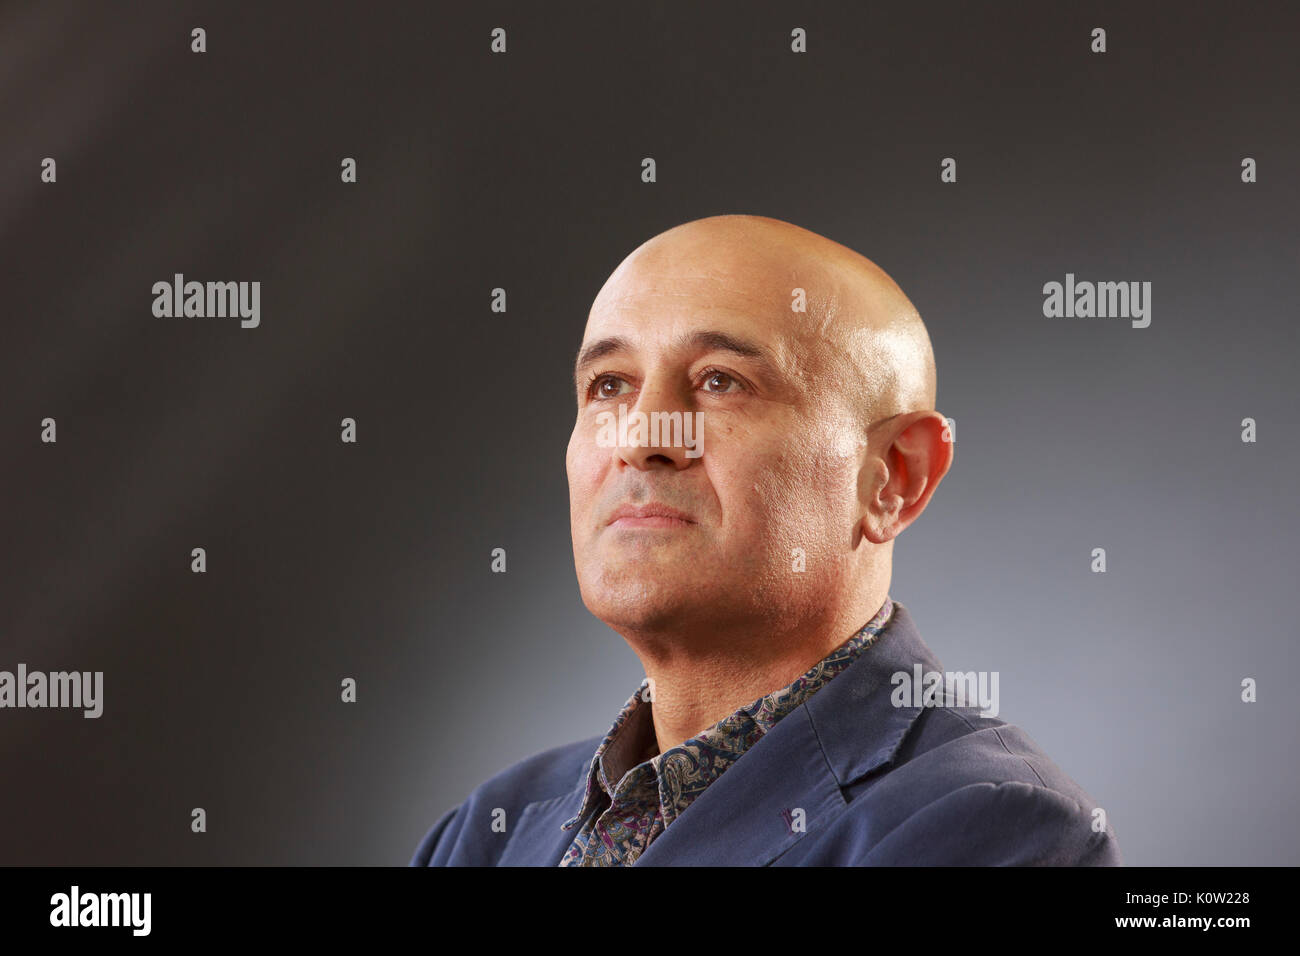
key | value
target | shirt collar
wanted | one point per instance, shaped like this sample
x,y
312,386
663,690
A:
x,y
684,771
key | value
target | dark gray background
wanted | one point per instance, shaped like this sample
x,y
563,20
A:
x,y
475,171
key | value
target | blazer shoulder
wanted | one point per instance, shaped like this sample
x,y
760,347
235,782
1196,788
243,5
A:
x,y
543,776
974,790
950,747
998,824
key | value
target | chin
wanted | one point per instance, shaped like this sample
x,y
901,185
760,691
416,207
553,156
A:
x,y
638,600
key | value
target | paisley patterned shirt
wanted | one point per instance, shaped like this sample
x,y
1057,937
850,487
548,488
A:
x,y
634,793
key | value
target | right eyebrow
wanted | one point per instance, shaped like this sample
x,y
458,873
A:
x,y
596,351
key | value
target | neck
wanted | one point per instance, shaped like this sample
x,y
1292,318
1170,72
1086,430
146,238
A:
x,y
699,680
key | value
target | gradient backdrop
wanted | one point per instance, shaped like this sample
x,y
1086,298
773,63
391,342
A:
x,y
371,560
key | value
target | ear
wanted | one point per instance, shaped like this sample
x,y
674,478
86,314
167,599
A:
x,y
914,452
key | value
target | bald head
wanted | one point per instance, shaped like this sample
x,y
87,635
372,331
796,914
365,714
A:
x,y
859,331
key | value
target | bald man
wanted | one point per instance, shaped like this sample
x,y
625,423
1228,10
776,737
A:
x,y
755,426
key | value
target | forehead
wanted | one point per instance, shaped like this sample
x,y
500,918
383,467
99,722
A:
x,y
659,299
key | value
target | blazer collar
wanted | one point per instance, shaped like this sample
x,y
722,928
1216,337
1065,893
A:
x,y
846,730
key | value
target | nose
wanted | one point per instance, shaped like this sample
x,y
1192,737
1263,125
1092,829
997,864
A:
x,y
662,429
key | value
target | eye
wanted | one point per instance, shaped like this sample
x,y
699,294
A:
x,y
599,386
607,385
713,376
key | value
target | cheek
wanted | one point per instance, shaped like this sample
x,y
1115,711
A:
x,y
798,497
580,457
576,468
587,466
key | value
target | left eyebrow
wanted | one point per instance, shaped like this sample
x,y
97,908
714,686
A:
x,y
707,340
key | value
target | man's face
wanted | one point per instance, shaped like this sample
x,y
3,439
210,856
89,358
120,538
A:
x,y
769,504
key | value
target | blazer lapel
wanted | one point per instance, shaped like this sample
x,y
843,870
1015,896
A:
x,y
759,807
538,838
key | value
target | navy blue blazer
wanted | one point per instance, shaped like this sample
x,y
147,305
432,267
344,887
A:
x,y
878,785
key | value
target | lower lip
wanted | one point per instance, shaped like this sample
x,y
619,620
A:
x,y
650,521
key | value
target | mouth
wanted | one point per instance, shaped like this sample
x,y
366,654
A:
x,y
650,521
649,516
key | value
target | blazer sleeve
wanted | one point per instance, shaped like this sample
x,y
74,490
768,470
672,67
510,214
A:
x,y
1003,824
436,846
